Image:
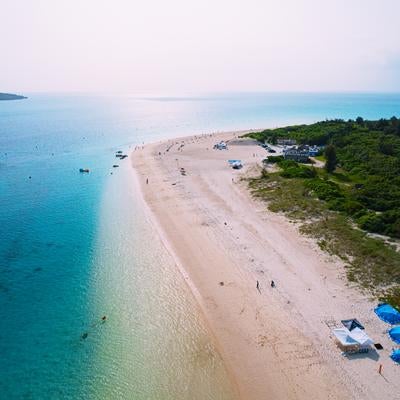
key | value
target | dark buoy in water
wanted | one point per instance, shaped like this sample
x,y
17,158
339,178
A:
x,y
85,335
30,177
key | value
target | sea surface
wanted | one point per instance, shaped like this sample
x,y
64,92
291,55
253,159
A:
x,y
76,247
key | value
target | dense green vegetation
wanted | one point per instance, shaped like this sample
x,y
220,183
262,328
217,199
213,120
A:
x,y
291,169
339,205
367,154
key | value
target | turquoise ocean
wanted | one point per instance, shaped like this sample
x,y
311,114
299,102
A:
x,y
75,247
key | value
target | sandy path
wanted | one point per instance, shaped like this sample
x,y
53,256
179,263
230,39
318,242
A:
x,y
275,342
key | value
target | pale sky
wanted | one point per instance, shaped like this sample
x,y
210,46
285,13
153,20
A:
x,y
195,46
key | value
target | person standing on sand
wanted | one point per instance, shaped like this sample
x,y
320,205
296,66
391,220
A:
x,y
147,181
258,286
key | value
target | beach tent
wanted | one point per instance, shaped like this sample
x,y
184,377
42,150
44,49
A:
x,y
354,340
361,337
343,337
351,324
388,314
394,334
395,356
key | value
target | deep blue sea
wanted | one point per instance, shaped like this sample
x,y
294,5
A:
x,y
69,254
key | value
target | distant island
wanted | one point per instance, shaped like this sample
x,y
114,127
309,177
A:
x,y
9,96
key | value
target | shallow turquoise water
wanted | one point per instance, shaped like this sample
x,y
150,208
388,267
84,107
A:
x,y
69,254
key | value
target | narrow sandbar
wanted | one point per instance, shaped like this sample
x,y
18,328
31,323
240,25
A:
x,y
276,342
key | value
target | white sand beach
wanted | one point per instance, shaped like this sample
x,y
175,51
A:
x,y
276,342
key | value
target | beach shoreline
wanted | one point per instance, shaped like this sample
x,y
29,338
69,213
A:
x,y
152,218
275,342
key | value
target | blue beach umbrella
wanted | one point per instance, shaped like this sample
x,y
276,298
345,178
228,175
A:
x,y
395,356
388,314
394,334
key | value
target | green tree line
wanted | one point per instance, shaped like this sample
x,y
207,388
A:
x,y
362,174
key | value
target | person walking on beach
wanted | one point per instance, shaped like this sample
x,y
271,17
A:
x,y
258,286
147,181
272,284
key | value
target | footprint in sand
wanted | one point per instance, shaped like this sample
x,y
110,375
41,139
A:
x,y
262,340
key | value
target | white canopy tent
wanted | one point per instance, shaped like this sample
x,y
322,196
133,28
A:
x,y
361,337
353,340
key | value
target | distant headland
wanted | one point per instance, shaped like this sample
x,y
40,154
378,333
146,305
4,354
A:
x,y
9,96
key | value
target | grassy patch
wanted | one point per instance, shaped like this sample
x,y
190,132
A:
x,y
288,196
371,263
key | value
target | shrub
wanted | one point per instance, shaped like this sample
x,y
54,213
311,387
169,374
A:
x,y
346,205
324,189
387,223
284,164
274,159
391,219
293,170
353,207
372,222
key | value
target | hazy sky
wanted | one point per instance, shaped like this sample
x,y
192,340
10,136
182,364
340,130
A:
x,y
178,46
